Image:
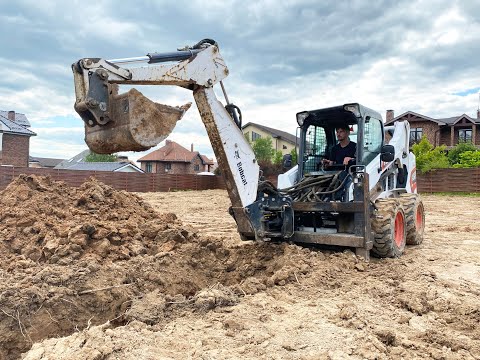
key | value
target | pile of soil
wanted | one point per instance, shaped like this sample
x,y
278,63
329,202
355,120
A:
x,y
95,273
47,221
72,258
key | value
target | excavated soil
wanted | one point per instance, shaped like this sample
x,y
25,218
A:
x,y
95,273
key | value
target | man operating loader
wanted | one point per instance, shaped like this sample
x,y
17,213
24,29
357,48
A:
x,y
343,153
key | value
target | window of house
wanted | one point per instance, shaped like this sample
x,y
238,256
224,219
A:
x,y
416,135
465,135
196,167
255,136
168,166
148,167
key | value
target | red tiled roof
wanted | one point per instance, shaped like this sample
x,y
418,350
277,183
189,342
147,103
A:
x,y
207,161
171,152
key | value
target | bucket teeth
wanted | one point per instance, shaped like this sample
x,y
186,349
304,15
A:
x,y
136,124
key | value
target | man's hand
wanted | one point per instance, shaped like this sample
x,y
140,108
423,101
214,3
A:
x,y
346,160
327,162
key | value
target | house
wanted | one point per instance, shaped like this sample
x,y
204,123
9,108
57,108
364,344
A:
x,y
173,158
80,157
282,141
442,131
14,139
78,162
105,166
40,162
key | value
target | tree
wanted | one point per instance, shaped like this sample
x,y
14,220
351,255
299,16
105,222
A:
x,y
278,158
294,156
460,148
428,157
263,149
94,157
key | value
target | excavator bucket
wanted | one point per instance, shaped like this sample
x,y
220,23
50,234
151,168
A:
x,y
135,123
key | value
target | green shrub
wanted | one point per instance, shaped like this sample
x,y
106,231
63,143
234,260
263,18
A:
x,y
468,159
294,156
278,158
454,154
263,149
428,157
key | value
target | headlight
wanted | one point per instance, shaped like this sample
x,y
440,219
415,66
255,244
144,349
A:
x,y
301,117
353,108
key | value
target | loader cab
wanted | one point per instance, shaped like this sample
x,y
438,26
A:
x,y
317,135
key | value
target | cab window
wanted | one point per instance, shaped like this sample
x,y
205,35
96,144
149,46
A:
x,y
373,139
315,148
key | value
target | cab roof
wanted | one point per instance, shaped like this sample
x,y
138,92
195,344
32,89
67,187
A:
x,y
338,115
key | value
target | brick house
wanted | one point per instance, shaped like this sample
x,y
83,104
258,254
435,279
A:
x,y
443,131
14,139
175,159
282,140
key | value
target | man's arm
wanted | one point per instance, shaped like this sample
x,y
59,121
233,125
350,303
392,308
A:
x,y
329,162
350,158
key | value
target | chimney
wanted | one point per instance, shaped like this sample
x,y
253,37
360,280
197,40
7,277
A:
x,y
168,142
11,115
478,114
191,147
390,115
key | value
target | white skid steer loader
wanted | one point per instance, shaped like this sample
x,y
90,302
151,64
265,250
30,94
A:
x,y
369,203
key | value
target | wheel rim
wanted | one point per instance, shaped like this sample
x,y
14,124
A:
x,y
399,229
419,219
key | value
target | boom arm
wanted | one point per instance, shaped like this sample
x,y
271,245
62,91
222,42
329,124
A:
x,y
132,122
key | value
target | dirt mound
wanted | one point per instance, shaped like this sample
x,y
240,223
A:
x,y
47,221
72,258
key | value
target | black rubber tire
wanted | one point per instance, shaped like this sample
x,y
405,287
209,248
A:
x,y
413,207
383,226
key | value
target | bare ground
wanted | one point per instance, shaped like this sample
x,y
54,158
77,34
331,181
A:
x,y
189,288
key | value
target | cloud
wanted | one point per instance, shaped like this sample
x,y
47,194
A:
x,y
284,57
45,147
60,131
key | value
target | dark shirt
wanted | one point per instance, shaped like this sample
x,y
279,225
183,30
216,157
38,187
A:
x,y
339,153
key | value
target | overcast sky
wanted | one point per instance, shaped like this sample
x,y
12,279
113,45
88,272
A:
x,y
283,57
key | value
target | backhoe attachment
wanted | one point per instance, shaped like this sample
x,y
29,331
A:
x,y
129,121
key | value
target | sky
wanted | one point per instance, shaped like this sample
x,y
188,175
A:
x,y
284,57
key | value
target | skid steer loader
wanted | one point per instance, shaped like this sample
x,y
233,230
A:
x,y
370,204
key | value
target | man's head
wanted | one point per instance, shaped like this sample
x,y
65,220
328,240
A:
x,y
343,132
